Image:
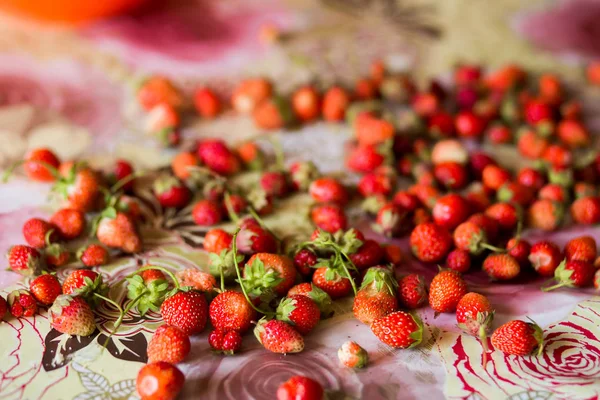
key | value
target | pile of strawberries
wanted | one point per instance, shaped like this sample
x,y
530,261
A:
x,y
460,208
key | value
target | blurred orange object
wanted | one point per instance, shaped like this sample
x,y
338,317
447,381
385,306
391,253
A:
x,y
70,11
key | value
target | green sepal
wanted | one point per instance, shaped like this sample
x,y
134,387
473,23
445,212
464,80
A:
x,y
225,261
417,335
257,278
150,296
285,308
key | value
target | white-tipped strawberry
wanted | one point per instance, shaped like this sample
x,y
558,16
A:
x,y
72,315
278,336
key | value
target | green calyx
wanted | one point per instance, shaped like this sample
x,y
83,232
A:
x,y
223,262
563,178
562,277
90,288
323,301
257,278
285,308
417,335
538,334
305,174
148,296
379,279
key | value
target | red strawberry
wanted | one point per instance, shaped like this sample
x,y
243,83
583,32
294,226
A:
x,y
21,303
206,102
273,113
35,231
499,134
329,217
582,248
469,125
151,275
392,254
331,282
465,75
450,210
493,177
451,175
573,134
250,93
375,183
72,315
488,224
389,220
365,159
474,315
407,201
187,311
376,297
459,260
585,189
412,291
513,192
545,257
501,266
520,250
531,178
56,255
68,222
505,214
36,165
596,284
445,291
94,255
304,260
573,273
254,239
306,104
25,260
158,90
278,336
519,338
300,388
302,173
225,342
335,102
470,237
3,308
80,187
123,170
586,210
371,130
399,329
430,242
207,213
183,163
274,183
217,240
545,214
159,381
170,192
85,283
449,150
321,298
215,154
554,192
119,232
168,344
367,255
325,190
196,279
440,125
425,104
478,161
265,270
299,311
230,311
161,120
45,288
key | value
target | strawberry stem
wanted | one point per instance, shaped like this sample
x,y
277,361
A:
x,y
124,181
240,280
553,287
166,271
484,345
230,211
257,217
343,264
492,248
278,150
119,320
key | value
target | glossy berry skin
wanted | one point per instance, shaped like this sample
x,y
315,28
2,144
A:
x,y
474,314
225,342
45,289
217,240
367,255
451,175
337,287
278,336
581,248
446,290
412,291
187,311
76,280
520,250
505,214
328,190
69,223
21,303
306,103
351,355
586,210
300,312
399,329
207,213
94,255
171,193
430,242
501,266
364,159
450,211
518,338
300,388
335,102
24,259
459,260
159,381
573,273
304,260
35,165
207,103
329,217
35,231
168,344
230,311
545,257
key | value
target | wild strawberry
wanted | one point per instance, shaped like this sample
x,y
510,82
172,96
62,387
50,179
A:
x,y
335,102
94,255
557,156
450,211
45,289
217,240
493,177
451,175
365,159
441,125
505,214
582,248
21,303
40,165
36,230
251,155
151,275
304,260
478,161
545,214
207,213
518,338
592,73
161,119
514,192
553,192
321,298
170,192
302,174
392,255
469,125
584,189
467,74
254,239
545,257
586,210
425,104
377,295
274,183
351,355
306,103
407,201
80,187
159,381
370,130
375,183
368,255
215,154
531,178
273,113
331,282
183,163
206,102
427,194
326,190
329,217
158,90
474,315
225,342
278,337
56,255
85,283
25,260
168,344
72,315
198,280
445,291
501,266
264,270
399,329
119,232
459,260
430,242
365,89
187,311
467,98
573,273
229,310
68,222
300,388
250,93
299,311
531,145
573,134
389,220
499,134
520,250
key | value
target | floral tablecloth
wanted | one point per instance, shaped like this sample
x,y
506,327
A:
x,y
71,90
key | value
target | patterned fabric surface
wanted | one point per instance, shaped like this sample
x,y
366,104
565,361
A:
x,y
72,90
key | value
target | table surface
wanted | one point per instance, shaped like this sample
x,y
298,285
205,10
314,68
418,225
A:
x,y
72,90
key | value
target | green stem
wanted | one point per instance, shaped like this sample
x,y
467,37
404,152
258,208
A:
x,y
549,288
119,320
337,255
230,211
483,339
166,271
119,184
239,275
492,248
